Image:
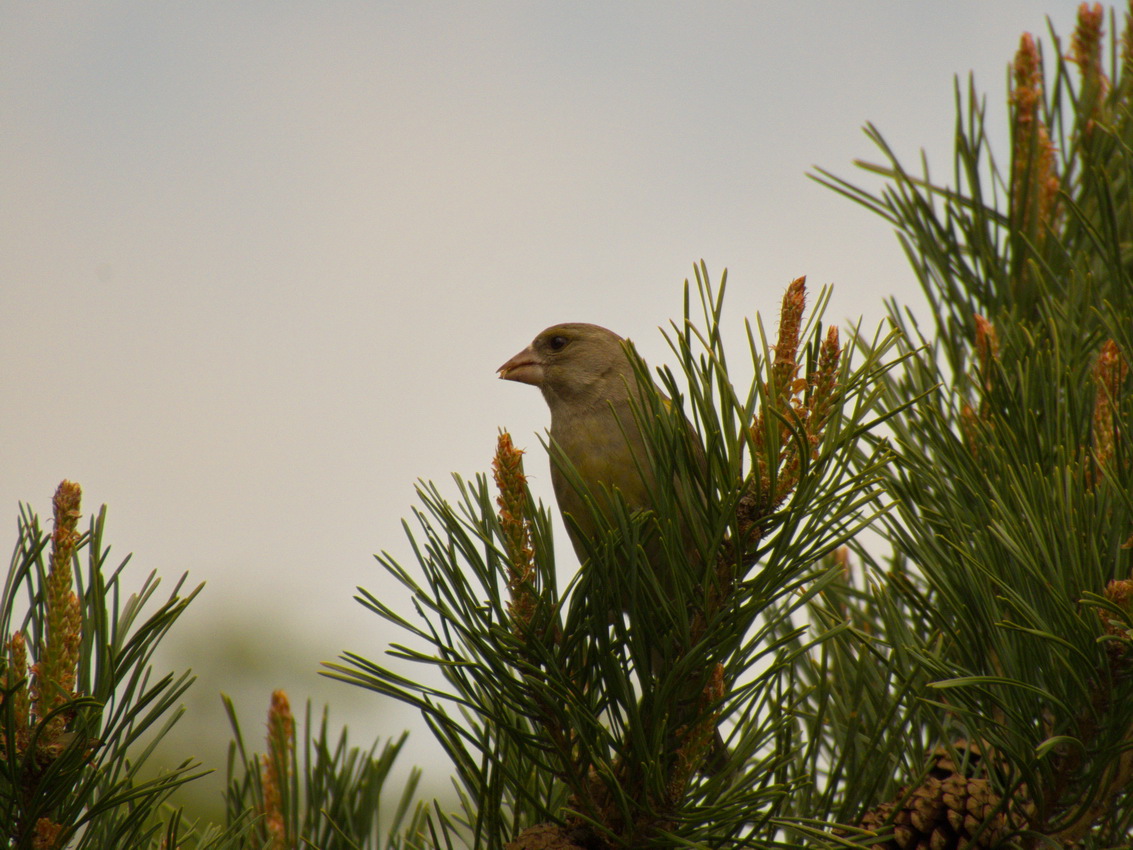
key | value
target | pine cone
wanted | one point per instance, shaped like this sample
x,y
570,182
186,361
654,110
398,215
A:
x,y
946,812
551,836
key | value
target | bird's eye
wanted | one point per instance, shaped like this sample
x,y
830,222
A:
x,y
558,343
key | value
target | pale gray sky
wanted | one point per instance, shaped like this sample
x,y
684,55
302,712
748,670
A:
x,y
259,261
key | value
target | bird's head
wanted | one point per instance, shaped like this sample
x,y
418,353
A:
x,y
574,363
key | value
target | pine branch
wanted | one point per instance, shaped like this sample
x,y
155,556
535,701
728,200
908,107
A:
x,y
316,791
1012,491
78,693
557,707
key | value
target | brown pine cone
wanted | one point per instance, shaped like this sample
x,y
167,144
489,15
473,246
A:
x,y
945,812
551,836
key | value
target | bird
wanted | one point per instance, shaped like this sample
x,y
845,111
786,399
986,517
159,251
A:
x,y
588,381
588,377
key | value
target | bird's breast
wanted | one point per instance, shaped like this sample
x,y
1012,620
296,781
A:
x,y
607,453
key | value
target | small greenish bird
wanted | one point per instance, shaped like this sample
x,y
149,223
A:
x,y
589,383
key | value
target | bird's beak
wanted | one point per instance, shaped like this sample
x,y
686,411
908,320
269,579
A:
x,y
524,367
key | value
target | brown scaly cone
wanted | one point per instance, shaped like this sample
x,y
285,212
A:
x,y
551,836
47,834
951,810
1119,643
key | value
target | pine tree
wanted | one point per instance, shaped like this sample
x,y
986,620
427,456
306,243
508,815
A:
x,y
964,682
1005,604
968,688
568,725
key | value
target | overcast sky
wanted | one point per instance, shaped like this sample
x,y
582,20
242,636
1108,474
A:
x,y
260,261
